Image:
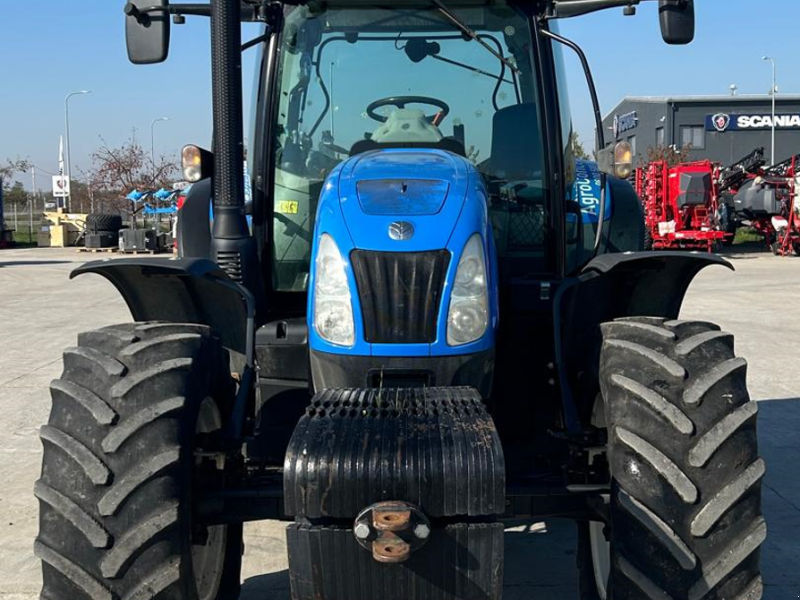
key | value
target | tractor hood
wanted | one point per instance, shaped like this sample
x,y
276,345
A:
x,y
403,200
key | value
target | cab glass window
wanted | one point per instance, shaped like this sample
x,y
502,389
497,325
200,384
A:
x,y
356,79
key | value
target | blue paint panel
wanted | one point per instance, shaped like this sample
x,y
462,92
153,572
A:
x,y
402,197
331,221
474,219
462,213
432,231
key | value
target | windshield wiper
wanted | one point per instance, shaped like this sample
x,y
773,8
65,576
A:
x,y
470,33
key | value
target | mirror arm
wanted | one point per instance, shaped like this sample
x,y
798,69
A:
x,y
564,9
257,40
201,10
598,117
250,12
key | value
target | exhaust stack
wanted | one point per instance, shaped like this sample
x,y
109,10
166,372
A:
x,y
233,248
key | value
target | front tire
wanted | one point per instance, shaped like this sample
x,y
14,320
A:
x,y
685,513
119,472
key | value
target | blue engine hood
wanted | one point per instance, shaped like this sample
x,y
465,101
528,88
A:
x,y
424,187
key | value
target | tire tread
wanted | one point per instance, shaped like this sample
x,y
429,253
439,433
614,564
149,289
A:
x,y
685,493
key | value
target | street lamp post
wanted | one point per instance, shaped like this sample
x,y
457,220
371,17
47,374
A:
x,y
153,144
773,92
66,127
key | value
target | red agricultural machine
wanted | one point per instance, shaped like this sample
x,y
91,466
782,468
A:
x,y
680,205
787,225
765,199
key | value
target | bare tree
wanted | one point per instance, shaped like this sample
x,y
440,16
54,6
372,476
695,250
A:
x,y
578,149
672,155
10,167
128,167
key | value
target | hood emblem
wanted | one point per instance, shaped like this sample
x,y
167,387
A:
x,y
401,231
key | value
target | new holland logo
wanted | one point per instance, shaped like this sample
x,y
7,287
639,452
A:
x,y
721,121
401,231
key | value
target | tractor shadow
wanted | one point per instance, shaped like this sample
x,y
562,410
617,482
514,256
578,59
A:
x,y
540,564
540,558
746,250
31,263
274,586
779,445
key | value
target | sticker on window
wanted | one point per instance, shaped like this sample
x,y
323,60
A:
x,y
287,207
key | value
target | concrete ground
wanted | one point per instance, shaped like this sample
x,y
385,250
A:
x,y
41,312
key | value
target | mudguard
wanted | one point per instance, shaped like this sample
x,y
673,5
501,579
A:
x,y
184,290
612,286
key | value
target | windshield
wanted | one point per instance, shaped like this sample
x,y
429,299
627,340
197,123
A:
x,y
355,79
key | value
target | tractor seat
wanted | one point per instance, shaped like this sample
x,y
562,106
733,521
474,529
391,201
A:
x,y
407,128
517,153
407,125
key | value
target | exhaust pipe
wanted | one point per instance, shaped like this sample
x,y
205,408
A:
x,y
233,248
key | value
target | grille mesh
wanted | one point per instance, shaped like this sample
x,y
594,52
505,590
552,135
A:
x,y
400,294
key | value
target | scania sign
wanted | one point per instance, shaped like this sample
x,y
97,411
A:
x,y
722,122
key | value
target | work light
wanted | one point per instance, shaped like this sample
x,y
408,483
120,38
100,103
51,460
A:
x,y
196,163
623,160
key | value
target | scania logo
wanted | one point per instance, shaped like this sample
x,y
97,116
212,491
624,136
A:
x,y
401,231
721,121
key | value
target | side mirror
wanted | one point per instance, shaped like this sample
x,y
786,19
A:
x,y
677,21
147,33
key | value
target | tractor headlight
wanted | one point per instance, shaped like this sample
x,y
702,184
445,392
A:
x,y
333,307
468,316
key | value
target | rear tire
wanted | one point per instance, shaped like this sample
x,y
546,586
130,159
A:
x,y
685,509
103,222
118,473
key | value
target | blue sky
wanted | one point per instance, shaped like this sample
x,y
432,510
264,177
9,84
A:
x,y
51,47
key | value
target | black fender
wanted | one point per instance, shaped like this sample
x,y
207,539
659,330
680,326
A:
x,y
193,230
612,286
626,227
183,290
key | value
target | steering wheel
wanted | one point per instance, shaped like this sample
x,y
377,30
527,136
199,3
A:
x,y
402,101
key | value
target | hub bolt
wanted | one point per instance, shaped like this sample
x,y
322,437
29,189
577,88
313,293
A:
x,y
361,531
422,531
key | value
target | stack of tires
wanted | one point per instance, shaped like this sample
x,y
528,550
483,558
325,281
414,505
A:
x,y
102,230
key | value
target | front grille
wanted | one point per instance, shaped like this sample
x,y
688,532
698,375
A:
x,y
400,294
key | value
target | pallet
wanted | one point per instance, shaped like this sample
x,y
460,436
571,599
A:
x,y
137,252
108,249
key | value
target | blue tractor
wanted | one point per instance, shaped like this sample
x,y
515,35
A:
x,y
404,278
432,320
